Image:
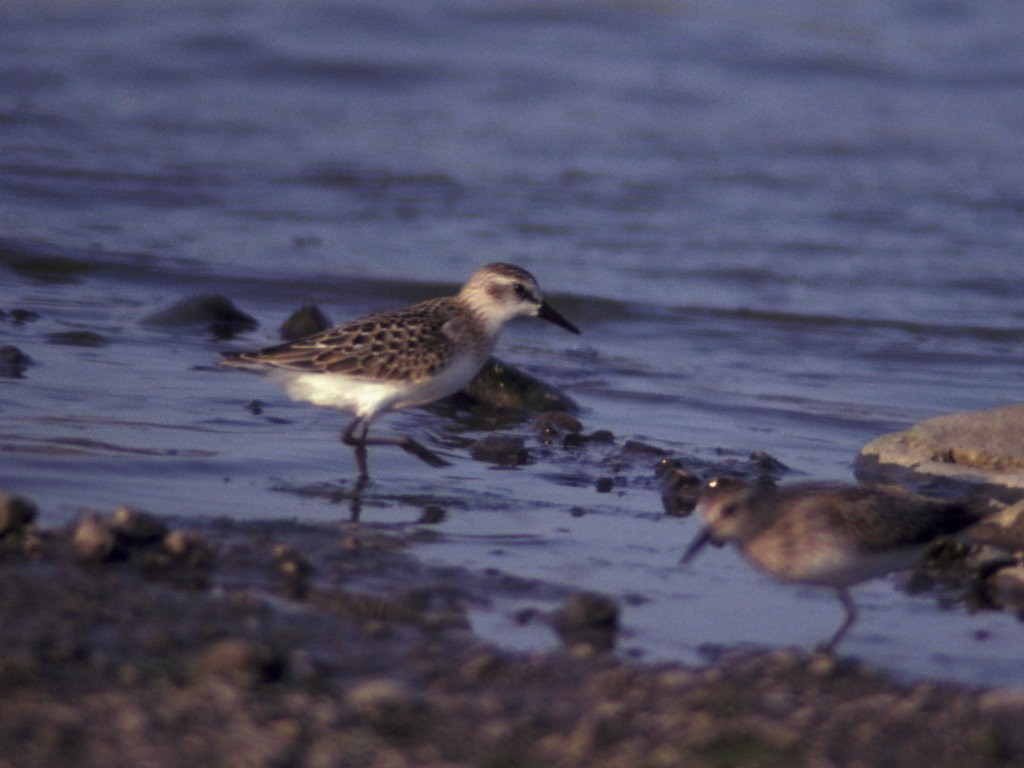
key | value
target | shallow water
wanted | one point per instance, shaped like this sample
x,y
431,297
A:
x,y
785,232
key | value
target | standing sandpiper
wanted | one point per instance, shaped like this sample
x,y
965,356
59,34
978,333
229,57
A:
x,y
405,357
822,534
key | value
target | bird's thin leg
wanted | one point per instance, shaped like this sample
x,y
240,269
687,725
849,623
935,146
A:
x,y
348,437
851,616
404,442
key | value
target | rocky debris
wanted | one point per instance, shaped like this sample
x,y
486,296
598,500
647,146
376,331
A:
x,y
212,312
303,322
13,362
979,452
589,619
679,487
77,339
502,450
144,541
552,425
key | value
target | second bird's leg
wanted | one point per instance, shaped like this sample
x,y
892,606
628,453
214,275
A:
x,y
851,616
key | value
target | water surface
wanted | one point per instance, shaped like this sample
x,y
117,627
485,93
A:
x,y
787,231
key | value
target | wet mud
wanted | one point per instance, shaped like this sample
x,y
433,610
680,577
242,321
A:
x,y
132,639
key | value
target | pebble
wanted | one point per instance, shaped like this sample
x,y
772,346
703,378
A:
x,y
380,698
77,339
93,540
213,312
188,547
588,619
241,661
303,322
504,450
16,512
679,488
13,362
136,526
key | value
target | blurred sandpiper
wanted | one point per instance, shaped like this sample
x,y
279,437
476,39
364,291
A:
x,y
824,534
404,357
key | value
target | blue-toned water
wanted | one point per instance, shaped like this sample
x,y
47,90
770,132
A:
x,y
781,228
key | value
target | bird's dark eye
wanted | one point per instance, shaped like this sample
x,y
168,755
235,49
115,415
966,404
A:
x,y
520,290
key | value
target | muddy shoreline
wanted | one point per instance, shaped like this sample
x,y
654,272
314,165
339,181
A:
x,y
282,644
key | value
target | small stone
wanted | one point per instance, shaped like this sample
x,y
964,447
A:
x,y
93,540
679,489
13,362
604,484
432,515
589,619
190,548
381,700
504,450
16,512
294,569
77,339
241,661
210,311
554,423
637,449
304,322
136,526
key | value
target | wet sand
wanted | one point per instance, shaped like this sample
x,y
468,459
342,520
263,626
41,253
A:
x,y
127,640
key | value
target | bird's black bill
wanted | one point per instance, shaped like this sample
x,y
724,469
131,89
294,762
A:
x,y
696,545
550,314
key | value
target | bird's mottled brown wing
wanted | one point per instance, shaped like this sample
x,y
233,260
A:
x,y
402,345
885,520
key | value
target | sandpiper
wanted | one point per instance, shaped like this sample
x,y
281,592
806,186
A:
x,y
824,534
405,357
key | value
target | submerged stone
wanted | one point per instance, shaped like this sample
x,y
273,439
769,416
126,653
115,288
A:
x,y
679,488
212,312
504,450
13,362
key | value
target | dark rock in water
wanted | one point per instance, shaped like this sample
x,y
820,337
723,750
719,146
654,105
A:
x,y
635,449
588,618
212,312
13,362
767,465
578,439
499,385
505,450
977,452
552,424
77,339
22,316
604,484
679,488
16,512
304,322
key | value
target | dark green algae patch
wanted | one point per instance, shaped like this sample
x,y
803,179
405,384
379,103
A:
x,y
137,641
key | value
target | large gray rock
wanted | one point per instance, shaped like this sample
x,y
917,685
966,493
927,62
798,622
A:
x,y
980,451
